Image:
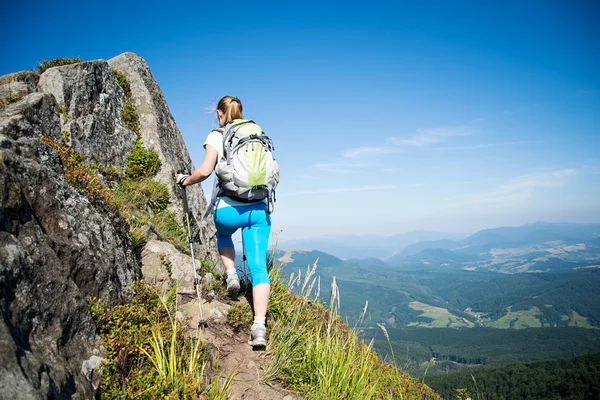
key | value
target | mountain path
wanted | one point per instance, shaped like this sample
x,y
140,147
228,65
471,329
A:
x,y
232,354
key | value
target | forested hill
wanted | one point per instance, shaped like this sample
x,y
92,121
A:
x,y
575,378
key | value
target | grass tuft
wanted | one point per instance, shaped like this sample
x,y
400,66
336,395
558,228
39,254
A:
x,y
147,355
319,356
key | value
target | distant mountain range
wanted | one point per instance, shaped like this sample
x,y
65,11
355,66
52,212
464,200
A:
x,y
536,247
475,281
367,246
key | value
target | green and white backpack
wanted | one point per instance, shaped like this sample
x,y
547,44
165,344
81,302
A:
x,y
247,171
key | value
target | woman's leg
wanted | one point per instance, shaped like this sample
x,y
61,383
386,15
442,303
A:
x,y
261,294
256,241
227,221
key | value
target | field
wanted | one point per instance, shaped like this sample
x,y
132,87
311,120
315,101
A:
x,y
440,317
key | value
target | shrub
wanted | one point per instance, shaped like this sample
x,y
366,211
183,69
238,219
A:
x,y
130,117
142,162
147,355
56,62
239,316
123,82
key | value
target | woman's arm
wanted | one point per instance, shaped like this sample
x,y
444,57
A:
x,y
204,171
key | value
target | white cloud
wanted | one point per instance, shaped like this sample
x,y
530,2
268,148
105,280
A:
x,y
368,188
522,187
392,145
425,137
473,147
370,151
342,166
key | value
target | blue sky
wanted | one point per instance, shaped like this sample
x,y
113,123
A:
x,y
387,116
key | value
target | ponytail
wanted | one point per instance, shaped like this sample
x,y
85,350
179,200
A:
x,y
231,107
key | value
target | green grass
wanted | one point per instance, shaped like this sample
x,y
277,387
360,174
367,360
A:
x,y
319,356
147,355
517,319
56,62
440,317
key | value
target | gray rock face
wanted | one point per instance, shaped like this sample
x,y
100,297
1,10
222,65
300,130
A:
x,y
18,83
92,101
159,131
57,248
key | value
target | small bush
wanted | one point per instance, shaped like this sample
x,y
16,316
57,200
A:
x,y
129,114
240,316
142,162
123,82
130,117
57,62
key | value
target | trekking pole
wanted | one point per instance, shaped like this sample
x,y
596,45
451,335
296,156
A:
x,y
186,211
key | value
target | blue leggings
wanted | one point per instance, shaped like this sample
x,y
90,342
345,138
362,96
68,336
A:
x,y
256,227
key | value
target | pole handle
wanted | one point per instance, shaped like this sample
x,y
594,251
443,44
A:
x,y
183,193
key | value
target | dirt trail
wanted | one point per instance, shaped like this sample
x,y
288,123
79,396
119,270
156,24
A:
x,y
234,354
229,351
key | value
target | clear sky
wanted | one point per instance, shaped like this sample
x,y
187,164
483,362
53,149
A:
x,y
387,117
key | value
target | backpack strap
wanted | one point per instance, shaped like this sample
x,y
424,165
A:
x,y
213,199
229,130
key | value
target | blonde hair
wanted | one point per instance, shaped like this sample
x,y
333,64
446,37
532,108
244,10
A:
x,y
231,107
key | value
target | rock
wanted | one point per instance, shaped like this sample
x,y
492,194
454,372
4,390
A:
x,y
92,101
18,83
159,131
92,369
162,262
56,249
211,311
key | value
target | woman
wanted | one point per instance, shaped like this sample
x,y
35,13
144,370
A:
x,y
231,215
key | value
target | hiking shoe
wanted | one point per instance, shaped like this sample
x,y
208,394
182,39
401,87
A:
x,y
233,285
258,337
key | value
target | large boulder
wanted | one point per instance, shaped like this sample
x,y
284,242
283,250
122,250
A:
x,y
56,249
18,84
159,131
90,103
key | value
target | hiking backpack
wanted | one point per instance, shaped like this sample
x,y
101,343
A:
x,y
247,171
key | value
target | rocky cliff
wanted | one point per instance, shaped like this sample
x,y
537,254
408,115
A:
x,y
58,247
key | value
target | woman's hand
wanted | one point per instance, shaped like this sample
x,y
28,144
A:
x,y
180,179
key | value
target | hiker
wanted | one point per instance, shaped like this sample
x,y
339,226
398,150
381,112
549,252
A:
x,y
253,217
